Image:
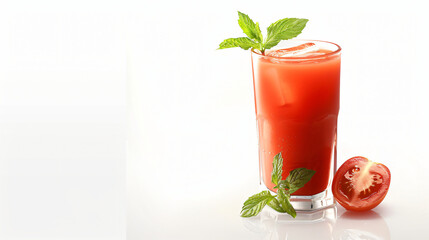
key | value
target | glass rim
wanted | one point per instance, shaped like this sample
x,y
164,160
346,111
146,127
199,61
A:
x,y
337,51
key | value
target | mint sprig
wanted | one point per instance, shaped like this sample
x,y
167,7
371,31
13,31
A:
x,y
282,29
298,178
281,202
276,174
254,204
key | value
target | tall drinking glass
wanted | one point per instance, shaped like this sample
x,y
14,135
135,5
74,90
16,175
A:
x,y
297,100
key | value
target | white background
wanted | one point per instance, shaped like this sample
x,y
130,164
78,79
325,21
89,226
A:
x,y
192,149
62,121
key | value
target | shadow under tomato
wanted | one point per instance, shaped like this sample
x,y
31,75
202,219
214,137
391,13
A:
x,y
360,226
367,215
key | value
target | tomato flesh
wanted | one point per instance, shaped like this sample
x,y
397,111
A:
x,y
360,184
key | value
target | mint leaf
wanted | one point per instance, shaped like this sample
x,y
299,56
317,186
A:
x,y
275,204
298,178
283,184
254,204
283,29
276,174
242,42
284,196
249,27
281,202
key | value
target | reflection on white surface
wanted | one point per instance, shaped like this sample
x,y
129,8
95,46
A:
x,y
315,225
320,225
361,226
351,234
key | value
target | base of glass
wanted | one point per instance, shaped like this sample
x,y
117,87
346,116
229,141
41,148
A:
x,y
328,214
311,203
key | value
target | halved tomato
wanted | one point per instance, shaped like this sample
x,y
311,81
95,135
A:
x,y
360,184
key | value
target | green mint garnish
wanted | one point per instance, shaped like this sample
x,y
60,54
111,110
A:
x,y
298,178
276,174
254,204
275,204
283,29
281,202
284,198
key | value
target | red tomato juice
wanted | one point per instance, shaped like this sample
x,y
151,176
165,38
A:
x,y
297,104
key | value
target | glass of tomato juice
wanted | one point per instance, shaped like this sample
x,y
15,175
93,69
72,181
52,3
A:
x,y
297,99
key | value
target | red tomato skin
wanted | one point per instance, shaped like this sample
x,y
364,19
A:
x,y
362,205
